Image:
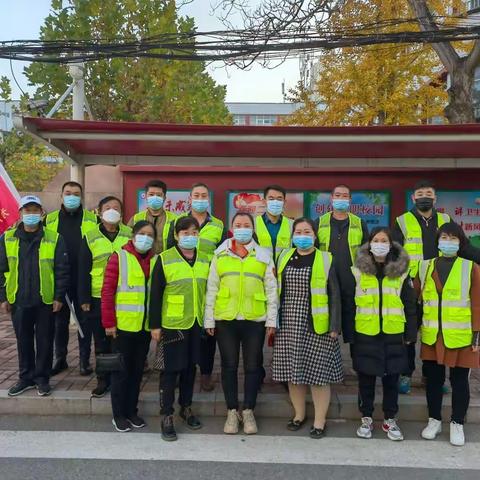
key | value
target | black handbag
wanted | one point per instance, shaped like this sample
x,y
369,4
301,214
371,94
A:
x,y
108,363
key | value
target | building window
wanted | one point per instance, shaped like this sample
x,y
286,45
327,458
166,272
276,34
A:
x,y
264,120
473,5
239,119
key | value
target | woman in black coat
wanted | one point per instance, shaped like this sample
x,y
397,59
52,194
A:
x,y
385,322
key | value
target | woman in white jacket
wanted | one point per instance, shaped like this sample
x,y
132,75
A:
x,y
241,302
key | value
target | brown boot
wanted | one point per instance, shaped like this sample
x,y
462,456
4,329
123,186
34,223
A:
x,y
206,383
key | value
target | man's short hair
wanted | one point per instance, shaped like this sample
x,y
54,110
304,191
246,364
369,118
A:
x,y
156,184
278,188
71,183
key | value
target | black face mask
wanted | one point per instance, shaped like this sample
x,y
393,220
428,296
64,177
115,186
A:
x,y
424,204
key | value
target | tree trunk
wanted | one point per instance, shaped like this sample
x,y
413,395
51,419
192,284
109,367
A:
x,y
460,108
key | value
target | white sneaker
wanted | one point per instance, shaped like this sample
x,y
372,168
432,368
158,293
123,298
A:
x,y
392,430
433,428
457,437
366,428
232,422
249,423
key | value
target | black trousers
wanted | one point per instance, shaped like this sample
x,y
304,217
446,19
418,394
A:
x,y
62,324
34,328
366,394
126,384
411,353
250,336
168,382
101,342
208,347
435,376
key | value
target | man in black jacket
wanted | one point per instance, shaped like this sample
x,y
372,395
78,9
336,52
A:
x,y
34,277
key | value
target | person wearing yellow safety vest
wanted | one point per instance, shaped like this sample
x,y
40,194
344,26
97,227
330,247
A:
x,y
125,296
212,234
177,303
341,233
155,213
385,320
417,230
449,292
34,277
97,246
241,305
306,350
72,222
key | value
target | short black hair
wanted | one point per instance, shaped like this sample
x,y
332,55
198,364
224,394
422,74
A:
x,y
423,184
311,223
278,188
244,214
71,183
107,199
376,230
184,223
199,184
342,185
455,230
156,184
143,223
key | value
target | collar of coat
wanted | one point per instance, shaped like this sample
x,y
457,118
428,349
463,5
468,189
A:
x,y
396,265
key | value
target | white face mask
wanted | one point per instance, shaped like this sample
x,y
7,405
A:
x,y
111,216
380,249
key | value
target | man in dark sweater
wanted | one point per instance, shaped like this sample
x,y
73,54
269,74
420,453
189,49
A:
x,y
417,230
72,221
34,277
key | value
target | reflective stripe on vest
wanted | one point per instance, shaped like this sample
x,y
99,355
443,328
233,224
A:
x,y
169,219
355,233
184,295
241,290
318,287
133,292
46,260
101,248
89,221
367,301
412,234
284,237
456,314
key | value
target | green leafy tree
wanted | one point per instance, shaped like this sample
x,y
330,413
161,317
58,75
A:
x,y
130,89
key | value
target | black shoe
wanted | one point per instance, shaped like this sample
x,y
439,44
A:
x,y
120,424
44,390
168,429
20,387
135,421
295,425
60,365
101,389
85,369
317,433
190,419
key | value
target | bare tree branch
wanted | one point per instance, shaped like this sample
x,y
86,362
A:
x,y
474,58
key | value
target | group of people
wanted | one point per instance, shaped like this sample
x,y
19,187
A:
x,y
187,283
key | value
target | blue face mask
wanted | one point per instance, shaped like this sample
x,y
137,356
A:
x,y
242,235
340,205
72,202
275,207
188,242
303,242
31,219
200,206
155,202
449,248
143,243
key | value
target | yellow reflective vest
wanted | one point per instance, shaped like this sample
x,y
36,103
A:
x,y
101,248
170,219
452,313
242,289
186,285
413,241
89,221
354,238
367,301
318,287
284,237
46,260
133,291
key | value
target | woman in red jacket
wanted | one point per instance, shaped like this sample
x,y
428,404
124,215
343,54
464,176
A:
x,y
124,317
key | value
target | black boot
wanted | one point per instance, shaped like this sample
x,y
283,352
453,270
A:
x,y
85,368
59,366
168,429
101,389
191,421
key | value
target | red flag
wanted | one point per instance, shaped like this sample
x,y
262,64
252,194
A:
x,y
9,198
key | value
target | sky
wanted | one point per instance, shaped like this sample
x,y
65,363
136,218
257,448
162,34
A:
x,y
22,19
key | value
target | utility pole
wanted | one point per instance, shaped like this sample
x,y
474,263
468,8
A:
x,y
76,70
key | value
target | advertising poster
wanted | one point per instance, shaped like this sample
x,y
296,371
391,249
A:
x,y
178,201
462,206
372,206
253,203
